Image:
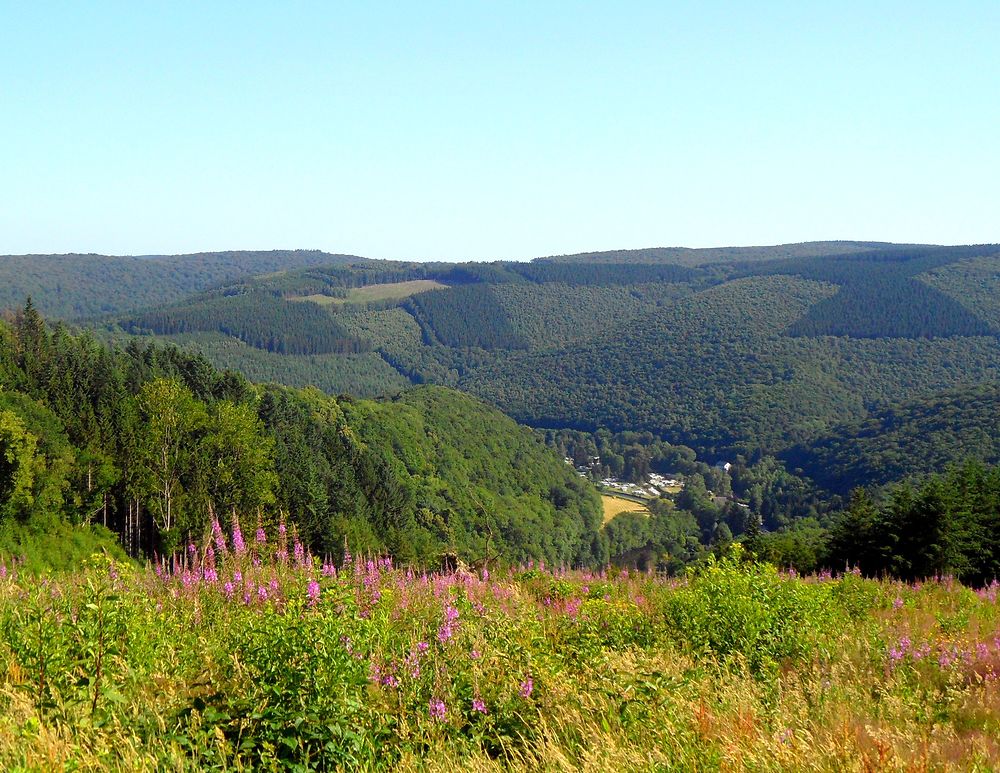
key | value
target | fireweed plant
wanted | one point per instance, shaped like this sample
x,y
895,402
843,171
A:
x,y
245,652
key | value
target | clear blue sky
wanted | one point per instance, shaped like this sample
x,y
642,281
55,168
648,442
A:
x,y
495,130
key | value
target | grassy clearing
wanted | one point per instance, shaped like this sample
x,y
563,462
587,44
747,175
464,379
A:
x,y
379,292
615,506
259,658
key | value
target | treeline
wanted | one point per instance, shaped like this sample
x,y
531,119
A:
x,y
151,441
260,320
880,296
603,273
949,525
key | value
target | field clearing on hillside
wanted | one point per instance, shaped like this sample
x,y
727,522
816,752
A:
x,y
615,506
382,292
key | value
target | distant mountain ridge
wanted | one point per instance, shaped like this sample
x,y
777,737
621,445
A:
x,y
75,285
700,256
752,350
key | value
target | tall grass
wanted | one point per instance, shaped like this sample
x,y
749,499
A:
x,y
249,654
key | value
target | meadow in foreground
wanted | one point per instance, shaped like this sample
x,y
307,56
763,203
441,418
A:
x,y
250,654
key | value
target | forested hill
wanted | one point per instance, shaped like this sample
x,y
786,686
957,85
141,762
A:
x,y
699,256
150,441
907,440
74,286
752,350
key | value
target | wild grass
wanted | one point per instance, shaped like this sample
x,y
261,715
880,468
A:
x,y
243,656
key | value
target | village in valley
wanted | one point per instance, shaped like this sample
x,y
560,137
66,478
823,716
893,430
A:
x,y
654,485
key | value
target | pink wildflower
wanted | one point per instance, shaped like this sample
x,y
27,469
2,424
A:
x,y
527,687
218,536
437,709
313,592
239,546
478,705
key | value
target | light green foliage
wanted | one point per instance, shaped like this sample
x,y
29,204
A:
x,y
17,465
238,456
167,447
750,612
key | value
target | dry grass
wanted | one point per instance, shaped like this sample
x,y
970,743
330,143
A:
x,y
615,506
379,292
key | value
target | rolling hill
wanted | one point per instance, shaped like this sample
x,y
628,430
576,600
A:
x,y
75,286
753,350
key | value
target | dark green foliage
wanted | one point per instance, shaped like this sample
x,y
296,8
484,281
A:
x,y
685,256
889,307
909,439
949,525
258,319
603,274
462,317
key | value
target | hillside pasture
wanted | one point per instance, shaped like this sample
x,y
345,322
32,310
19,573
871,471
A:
x,y
615,506
390,291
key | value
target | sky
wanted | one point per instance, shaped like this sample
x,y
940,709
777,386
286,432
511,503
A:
x,y
489,130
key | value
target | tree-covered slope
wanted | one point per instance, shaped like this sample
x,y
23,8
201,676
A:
x,y
909,439
740,348
151,441
689,256
75,286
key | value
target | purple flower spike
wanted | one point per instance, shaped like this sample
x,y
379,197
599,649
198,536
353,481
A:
x,y
527,687
437,709
239,546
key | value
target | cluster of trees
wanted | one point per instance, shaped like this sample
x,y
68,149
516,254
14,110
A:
x,y
258,319
151,441
462,317
888,306
949,525
880,294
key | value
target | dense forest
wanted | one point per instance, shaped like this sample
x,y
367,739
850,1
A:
x,y
905,440
258,319
152,443
758,354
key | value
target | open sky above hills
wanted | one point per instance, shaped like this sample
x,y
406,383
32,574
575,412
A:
x,y
465,131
